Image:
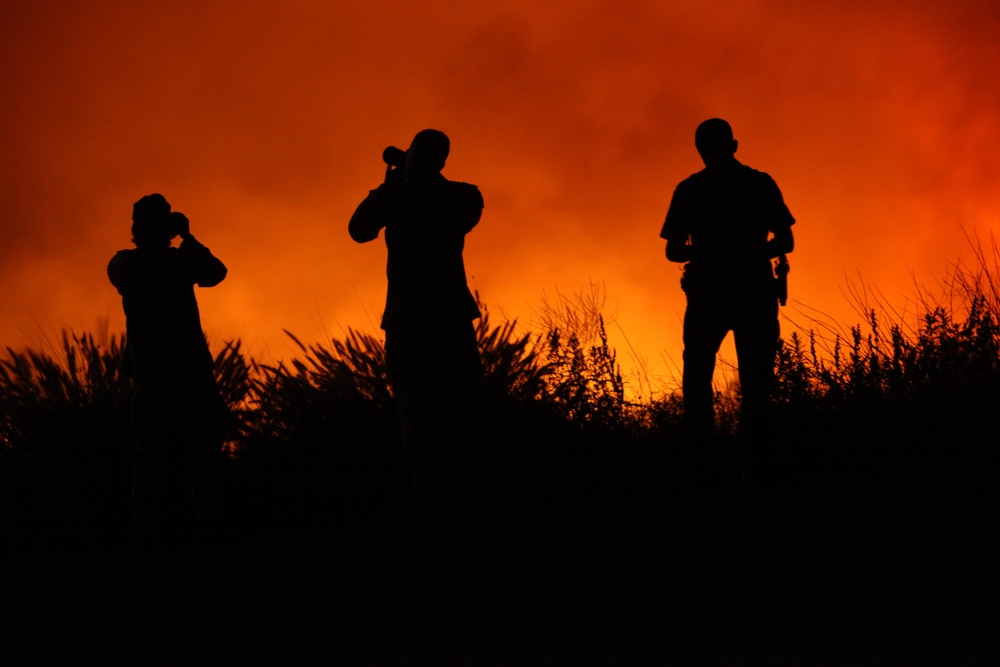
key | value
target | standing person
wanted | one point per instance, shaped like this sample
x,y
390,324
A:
x,y
431,348
178,415
727,222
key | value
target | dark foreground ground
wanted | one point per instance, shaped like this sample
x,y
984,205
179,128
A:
x,y
654,580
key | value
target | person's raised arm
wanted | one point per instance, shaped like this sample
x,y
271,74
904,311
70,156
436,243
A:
x,y
206,270
369,217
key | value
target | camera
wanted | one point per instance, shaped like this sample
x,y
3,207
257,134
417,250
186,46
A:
x,y
177,224
394,157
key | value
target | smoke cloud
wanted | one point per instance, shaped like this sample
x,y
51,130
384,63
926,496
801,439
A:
x,y
265,123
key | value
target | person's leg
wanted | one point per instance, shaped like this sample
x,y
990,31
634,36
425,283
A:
x,y
415,373
204,433
756,336
154,471
704,331
463,404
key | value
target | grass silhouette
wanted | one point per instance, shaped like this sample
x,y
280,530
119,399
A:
x,y
885,433
914,397
319,432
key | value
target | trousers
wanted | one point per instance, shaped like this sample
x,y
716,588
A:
x,y
752,317
436,376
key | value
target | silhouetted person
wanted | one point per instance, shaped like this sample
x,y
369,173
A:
x,y
178,415
433,357
727,222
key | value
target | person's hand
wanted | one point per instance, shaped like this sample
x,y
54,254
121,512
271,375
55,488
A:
x,y
394,175
181,225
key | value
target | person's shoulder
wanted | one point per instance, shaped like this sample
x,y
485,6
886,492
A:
x,y
460,186
756,174
694,182
122,256
121,265
696,177
467,192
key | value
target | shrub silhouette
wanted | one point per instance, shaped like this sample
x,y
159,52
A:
x,y
896,404
64,427
897,398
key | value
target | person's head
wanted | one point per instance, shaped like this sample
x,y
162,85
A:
x,y
151,221
427,153
714,141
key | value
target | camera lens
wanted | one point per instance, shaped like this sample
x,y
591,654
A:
x,y
393,156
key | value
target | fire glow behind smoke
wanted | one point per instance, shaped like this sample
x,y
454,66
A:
x,y
265,126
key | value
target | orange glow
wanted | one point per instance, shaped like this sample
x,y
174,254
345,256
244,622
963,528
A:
x,y
880,122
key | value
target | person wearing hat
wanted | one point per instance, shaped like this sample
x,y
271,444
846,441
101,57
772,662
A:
x,y
178,415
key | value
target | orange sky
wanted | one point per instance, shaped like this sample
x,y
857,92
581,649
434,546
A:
x,y
264,123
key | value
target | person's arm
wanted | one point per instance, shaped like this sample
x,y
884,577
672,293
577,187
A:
x,y
471,207
675,230
782,240
118,269
206,270
370,216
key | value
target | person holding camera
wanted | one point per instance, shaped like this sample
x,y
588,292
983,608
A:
x,y
178,415
727,222
432,354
